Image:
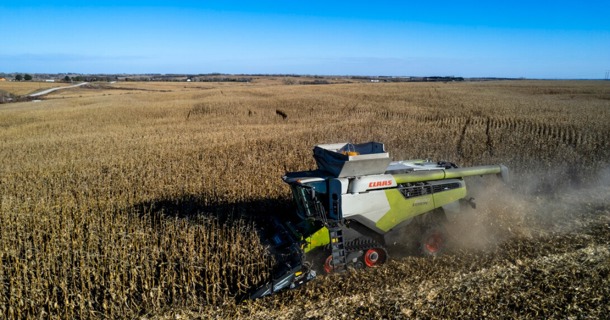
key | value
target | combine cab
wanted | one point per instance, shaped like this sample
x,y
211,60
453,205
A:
x,y
356,197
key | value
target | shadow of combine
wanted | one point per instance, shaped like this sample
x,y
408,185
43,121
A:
x,y
194,209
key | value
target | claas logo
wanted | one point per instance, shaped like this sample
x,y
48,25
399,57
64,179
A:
x,y
382,183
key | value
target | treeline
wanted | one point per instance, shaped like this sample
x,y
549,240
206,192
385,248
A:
x,y
408,79
24,77
86,78
218,77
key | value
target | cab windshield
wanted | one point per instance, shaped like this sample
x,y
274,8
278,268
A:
x,y
310,199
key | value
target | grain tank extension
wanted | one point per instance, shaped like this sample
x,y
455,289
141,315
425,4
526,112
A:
x,y
346,209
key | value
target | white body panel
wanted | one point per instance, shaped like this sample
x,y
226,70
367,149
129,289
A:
x,y
372,205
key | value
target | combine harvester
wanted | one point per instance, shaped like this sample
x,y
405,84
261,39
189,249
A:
x,y
347,208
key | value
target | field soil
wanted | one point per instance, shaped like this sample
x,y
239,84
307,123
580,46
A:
x,y
144,200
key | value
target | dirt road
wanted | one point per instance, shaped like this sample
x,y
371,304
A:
x,y
47,91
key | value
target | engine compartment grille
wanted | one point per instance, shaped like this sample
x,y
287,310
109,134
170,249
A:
x,y
412,190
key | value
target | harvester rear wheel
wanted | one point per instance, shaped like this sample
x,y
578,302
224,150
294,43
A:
x,y
433,237
433,241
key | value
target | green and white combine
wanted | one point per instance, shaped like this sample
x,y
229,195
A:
x,y
348,207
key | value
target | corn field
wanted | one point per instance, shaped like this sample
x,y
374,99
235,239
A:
x,y
135,199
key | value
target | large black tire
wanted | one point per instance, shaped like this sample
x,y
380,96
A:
x,y
432,240
317,259
414,239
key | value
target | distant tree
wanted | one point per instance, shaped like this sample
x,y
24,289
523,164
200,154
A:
x,y
67,79
27,77
18,77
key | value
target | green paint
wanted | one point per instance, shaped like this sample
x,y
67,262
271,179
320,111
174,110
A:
x,y
317,239
449,196
402,209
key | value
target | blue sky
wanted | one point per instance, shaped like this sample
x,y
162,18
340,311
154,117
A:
x,y
532,39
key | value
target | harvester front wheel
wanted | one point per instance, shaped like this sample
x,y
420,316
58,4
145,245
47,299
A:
x,y
328,264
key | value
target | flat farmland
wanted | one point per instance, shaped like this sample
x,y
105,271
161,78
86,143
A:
x,y
141,199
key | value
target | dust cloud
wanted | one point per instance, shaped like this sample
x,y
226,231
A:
x,y
528,207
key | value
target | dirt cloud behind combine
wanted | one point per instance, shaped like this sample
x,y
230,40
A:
x,y
539,207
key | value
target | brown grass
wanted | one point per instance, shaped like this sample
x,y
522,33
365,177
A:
x,y
136,199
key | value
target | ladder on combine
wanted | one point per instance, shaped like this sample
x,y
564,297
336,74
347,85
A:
x,y
338,253
337,247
